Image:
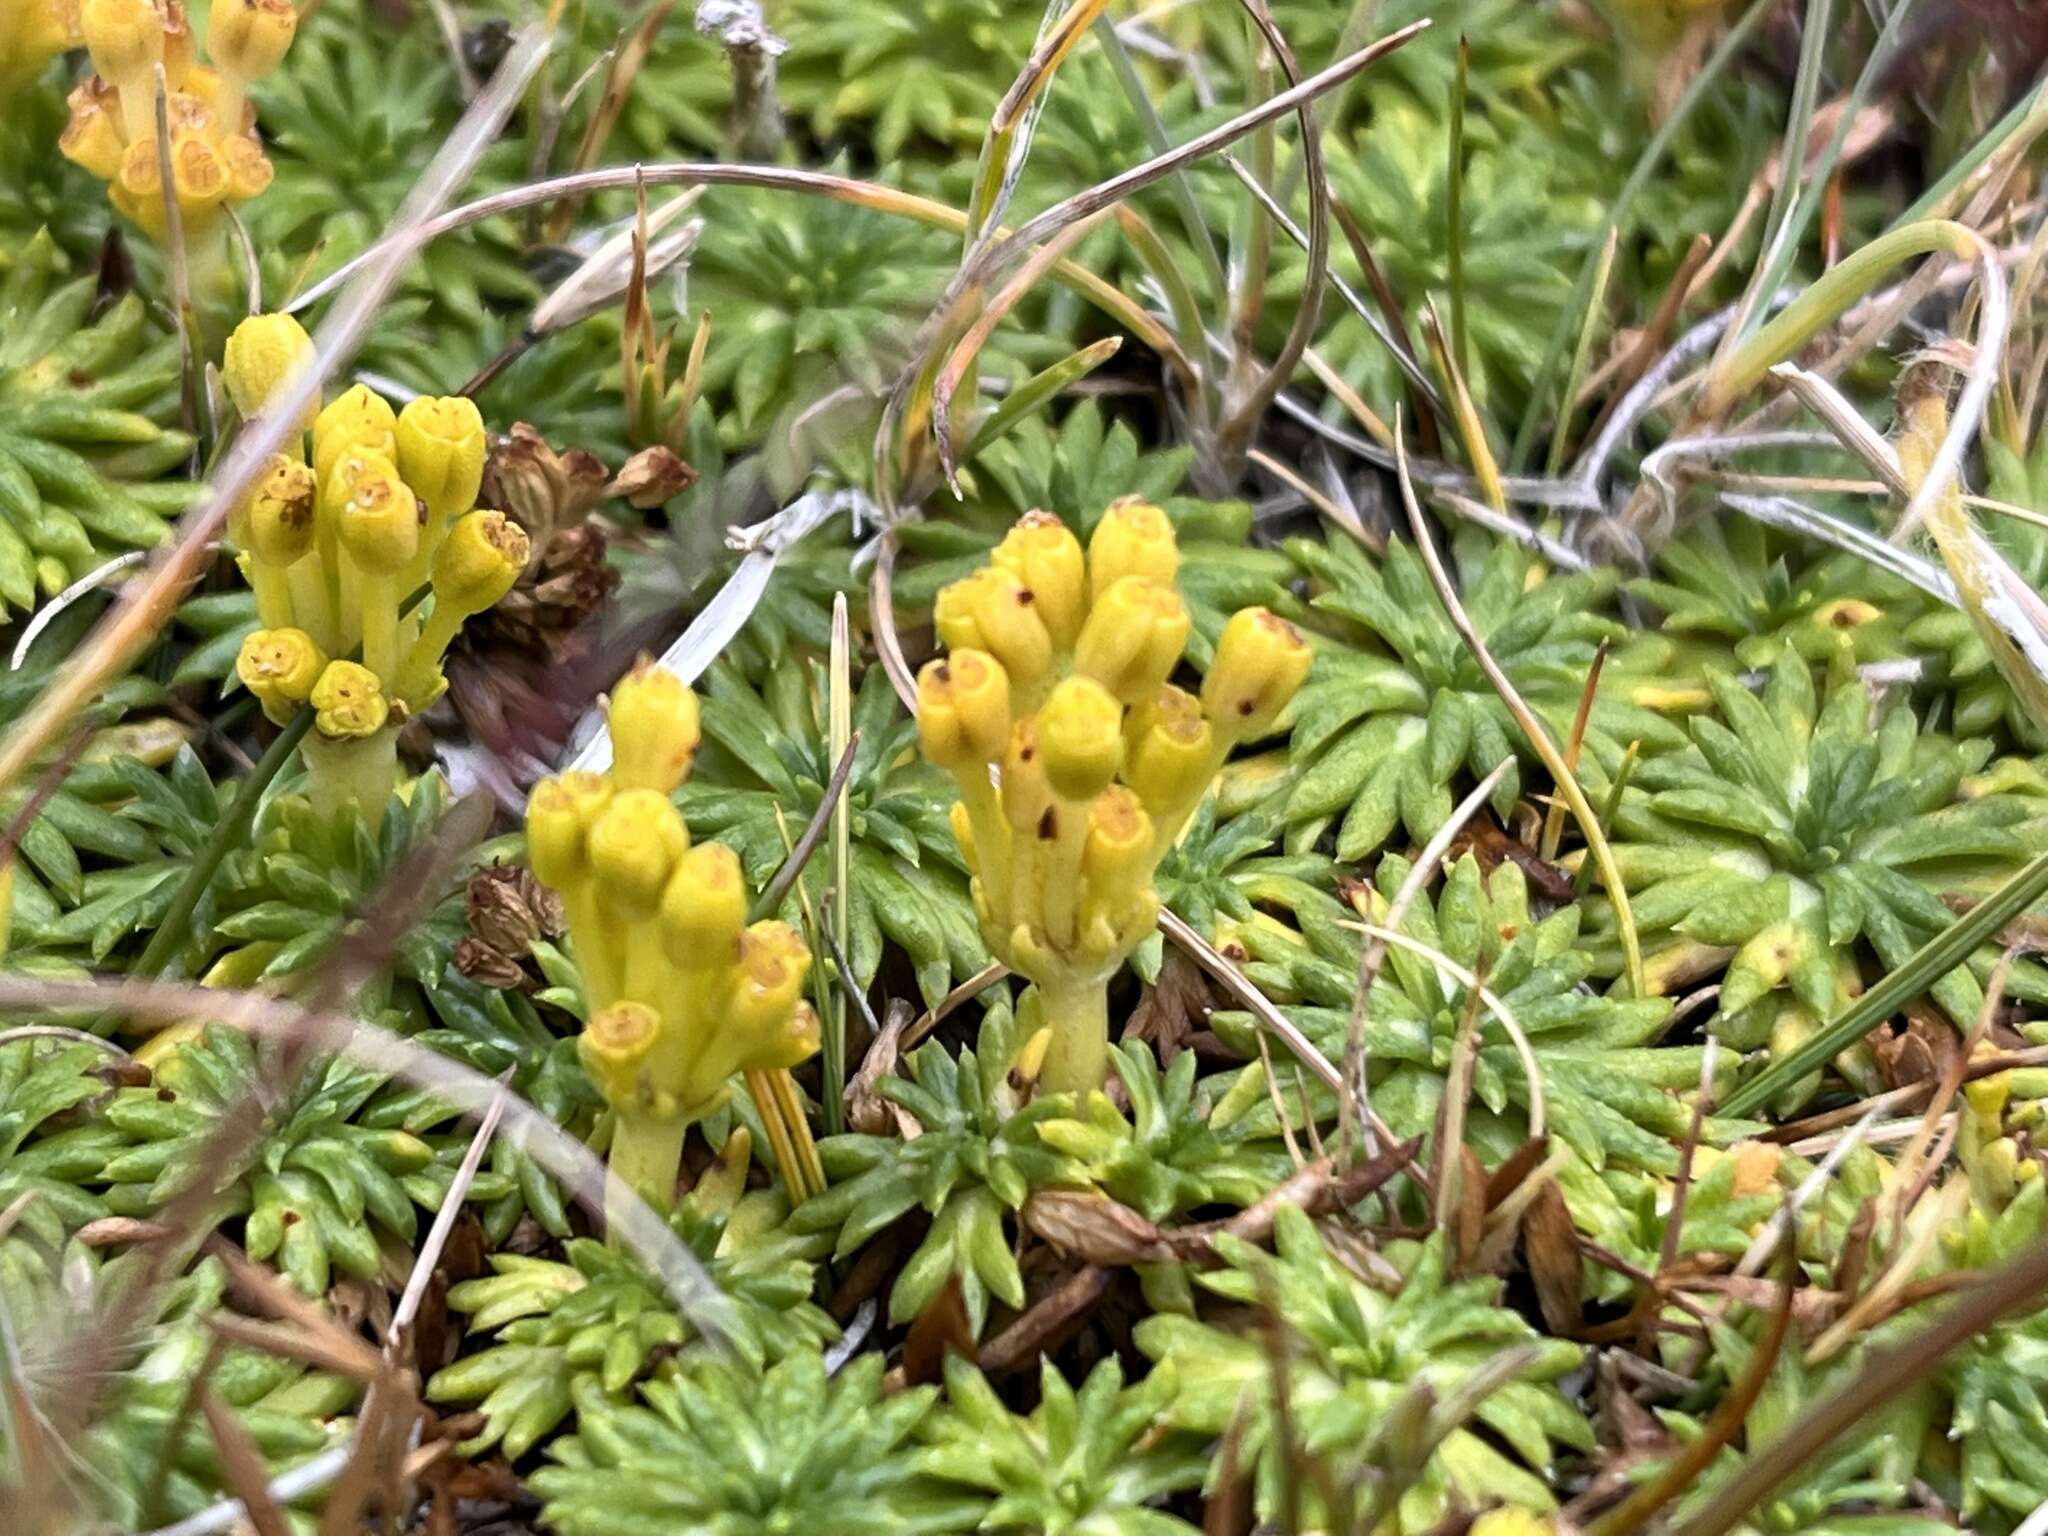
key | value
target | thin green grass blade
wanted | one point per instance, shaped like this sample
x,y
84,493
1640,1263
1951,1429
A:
x,y
1934,960
1568,318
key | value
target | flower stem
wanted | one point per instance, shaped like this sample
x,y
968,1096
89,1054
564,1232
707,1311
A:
x,y
353,771
646,1155
1078,1011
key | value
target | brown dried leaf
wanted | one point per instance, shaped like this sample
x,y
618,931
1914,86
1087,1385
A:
x,y
1550,1245
941,1329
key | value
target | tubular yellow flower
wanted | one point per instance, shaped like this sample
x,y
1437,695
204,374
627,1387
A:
x,y
1117,862
559,815
654,728
963,710
766,985
1080,736
1171,755
349,701
1261,660
1042,552
377,517
478,562
953,613
280,515
249,169
441,453
249,37
282,662
92,138
264,355
634,846
357,420
616,1048
1011,630
1134,538
1134,638
125,37
704,909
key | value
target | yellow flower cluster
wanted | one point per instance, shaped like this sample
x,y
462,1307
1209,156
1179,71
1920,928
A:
x,y
33,32
682,990
333,547
215,155
1056,678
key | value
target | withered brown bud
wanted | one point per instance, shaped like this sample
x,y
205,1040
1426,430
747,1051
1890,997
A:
x,y
651,477
511,911
488,967
539,489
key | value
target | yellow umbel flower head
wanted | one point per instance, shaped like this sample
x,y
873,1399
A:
x,y
1077,760
683,992
214,155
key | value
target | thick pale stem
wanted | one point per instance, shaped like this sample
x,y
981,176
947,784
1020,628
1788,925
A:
x,y
438,629
273,588
1078,1058
380,627
352,771
311,605
646,1156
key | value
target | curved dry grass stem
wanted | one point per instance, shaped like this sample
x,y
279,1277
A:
x,y
1532,727
844,189
333,1031
1374,955
1538,1102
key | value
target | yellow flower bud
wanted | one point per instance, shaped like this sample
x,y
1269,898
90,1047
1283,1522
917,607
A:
x,y
249,169
704,908
1171,753
356,420
1133,639
1011,630
559,814
441,451
478,562
953,613
653,719
249,37
1117,860
1042,552
281,665
1134,538
92,138
1081,738
264,356
36,31
125,37
963,710
634,846
378,519
770,977
280,515
616,1048
349,701
1261,660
